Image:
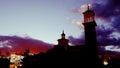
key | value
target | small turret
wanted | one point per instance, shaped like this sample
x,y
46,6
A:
x,y
63,41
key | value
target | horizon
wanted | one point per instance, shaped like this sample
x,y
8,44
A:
x,y
39,23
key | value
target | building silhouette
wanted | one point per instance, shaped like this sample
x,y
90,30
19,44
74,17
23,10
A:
x,y
90,35
63,41
4,62
63,55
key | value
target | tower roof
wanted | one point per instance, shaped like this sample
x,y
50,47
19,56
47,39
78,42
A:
x,y
88,10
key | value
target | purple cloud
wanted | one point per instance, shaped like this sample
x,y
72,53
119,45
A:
x,y
108,33
109,11
18,44
77,41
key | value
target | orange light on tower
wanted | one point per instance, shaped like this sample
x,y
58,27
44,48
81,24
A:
x,y
89,16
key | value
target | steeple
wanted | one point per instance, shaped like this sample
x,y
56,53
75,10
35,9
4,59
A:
x,y
63,35
63,41
89,15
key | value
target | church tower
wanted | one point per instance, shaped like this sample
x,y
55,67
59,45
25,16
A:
x,y
63,41
90,36
89,27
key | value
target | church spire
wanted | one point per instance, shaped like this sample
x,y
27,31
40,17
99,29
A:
x,y
63,32
63,35
63,41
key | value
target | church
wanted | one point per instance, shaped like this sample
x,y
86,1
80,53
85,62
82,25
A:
x,y
80,55
64,55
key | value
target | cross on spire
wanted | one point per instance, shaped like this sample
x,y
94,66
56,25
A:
x,y
88,7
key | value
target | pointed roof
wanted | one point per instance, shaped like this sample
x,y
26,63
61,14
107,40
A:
x,y
88,10
63,33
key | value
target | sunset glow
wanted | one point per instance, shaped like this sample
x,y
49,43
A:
x,y
38,24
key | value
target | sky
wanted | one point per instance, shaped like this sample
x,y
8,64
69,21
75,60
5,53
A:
x,y
107,16
43,21
40,19
37,20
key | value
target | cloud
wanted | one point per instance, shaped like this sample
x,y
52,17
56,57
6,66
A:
x,y
109,11
112,48
80,24
5,43
16,44
108,29
77,41
82,8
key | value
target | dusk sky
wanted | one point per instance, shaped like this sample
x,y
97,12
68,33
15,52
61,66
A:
x,y
44,20
40,19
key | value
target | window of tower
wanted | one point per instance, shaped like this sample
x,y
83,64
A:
x,y
91,19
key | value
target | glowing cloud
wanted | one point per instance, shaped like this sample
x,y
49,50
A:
x,y
115,35
16,44
75,22
80,24
5,43
112,48
85,7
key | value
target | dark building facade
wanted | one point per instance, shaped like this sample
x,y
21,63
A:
x,y
4,62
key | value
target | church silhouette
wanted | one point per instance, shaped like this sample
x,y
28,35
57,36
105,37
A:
x,y
63,55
